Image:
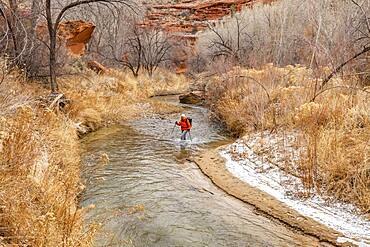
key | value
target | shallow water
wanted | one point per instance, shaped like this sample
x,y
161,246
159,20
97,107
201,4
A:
x,y
150,195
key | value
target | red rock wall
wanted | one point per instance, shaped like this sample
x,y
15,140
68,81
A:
x,y
186,18
74,34
191,16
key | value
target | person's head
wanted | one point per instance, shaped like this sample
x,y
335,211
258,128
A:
x,y
183,116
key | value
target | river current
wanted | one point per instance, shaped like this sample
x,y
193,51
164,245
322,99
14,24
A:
x,y
149,194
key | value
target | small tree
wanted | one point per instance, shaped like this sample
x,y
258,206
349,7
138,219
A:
x,y
53,24
137,49
128,51
132,58
362,36
230,41
156,47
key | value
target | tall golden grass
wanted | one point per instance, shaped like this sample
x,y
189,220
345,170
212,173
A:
x,y
98,100
335,126
39,181
39,150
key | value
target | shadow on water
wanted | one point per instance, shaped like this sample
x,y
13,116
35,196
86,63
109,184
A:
x,y
149,195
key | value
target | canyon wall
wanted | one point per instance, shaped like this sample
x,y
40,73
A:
x,y
184,19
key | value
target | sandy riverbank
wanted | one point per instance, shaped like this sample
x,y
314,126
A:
x,y
213,165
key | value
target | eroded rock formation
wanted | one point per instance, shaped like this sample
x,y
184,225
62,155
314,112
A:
x,y
189,17
186,18
73,34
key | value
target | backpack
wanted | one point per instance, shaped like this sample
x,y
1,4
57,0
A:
x,y
191,122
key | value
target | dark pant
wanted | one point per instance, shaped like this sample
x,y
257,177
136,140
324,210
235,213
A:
x,y
183,134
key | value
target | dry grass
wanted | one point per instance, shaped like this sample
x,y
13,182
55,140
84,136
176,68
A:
x,y
159,107
39,181
335,128
98,100
40,167
40,156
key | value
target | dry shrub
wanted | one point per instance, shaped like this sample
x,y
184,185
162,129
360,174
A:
x,y
234,115
40,156
335,128
159,107
101,99
337,131
15,93
39,181
251,99
164,83
311,114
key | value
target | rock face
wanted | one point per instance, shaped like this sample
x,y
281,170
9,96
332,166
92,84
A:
x,y
189,17
194,98
77,34
74,34
186,18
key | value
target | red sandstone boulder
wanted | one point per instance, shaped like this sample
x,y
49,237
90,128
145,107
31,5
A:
x,y
193,98
96,67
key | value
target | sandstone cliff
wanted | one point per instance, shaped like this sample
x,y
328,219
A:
x,y
73,34
184,19
189,17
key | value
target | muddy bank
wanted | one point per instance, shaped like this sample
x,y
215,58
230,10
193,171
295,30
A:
x,y
213,166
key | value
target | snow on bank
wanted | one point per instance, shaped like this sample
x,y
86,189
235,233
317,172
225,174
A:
x,y
269,178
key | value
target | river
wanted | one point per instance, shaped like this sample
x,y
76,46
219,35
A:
x,y
151,195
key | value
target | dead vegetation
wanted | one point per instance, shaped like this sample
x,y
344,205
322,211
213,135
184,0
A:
x,y
39,150
335,128
310,80
98,100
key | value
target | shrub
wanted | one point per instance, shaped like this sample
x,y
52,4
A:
x,y
333,131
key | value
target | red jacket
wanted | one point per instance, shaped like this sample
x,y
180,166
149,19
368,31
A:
x,y
185,124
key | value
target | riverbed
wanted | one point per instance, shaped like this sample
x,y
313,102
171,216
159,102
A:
x,y
149,194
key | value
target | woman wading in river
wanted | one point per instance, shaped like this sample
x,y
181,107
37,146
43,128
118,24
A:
x,y
185,124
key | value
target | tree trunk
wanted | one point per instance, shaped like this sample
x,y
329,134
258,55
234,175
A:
x,y
35,12
53,78
52,49
11,22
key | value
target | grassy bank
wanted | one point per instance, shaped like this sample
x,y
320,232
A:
x,y
331,128
39,149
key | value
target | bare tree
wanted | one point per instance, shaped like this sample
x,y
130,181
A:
x,y
13,34
362,28
229,42
136,48
132,57
156,47
53,24
127,51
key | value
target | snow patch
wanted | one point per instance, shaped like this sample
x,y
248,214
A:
x,y
343,240
244,163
